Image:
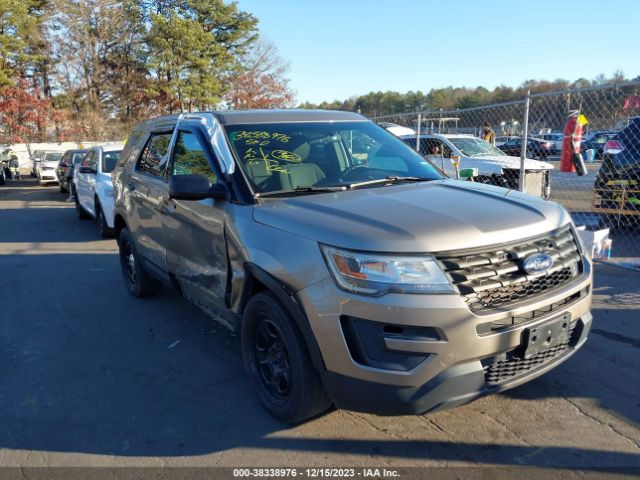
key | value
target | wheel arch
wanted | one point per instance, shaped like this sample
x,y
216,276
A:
x,y
259,280
119,224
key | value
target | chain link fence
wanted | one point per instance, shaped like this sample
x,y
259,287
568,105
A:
x,y
600,186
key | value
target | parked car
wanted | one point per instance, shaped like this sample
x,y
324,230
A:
x,y
4,171
92,187
397,130
36,156
556,139
66,166
46,168
597,142
618,178
371,282
536,147
501,140
489,160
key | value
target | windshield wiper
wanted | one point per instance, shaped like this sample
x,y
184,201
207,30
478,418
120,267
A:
x,y
390,179
301,190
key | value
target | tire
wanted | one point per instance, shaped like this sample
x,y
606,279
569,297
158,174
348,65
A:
x,y
137,280
80,211
103,228
277,360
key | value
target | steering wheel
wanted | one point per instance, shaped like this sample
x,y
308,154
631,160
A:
x,y
347,173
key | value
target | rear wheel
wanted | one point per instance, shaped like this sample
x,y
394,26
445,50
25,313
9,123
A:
x,y
137,280
277,360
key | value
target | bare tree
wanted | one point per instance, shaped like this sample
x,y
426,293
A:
x,y
261,82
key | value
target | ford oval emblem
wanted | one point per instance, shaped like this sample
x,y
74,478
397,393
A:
x,y
537,263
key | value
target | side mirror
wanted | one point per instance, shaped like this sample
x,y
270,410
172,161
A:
x,y
590,155
89,170
195,187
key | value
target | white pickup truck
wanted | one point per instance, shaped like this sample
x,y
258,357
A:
x,y
492,164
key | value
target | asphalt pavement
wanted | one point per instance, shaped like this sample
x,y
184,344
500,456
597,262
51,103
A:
x,y
91,376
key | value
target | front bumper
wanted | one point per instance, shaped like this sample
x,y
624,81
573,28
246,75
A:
x,y
432,351
48,176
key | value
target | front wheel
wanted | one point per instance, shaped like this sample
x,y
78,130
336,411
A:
x,y
278,362
136,278
80,211
101,220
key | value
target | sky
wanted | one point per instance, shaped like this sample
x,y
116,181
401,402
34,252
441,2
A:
x,y
342,48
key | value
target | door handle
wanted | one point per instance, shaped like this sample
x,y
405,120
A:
x,y
131,187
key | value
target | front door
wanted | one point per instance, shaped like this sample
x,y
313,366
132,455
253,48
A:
x,y
86,182
194,229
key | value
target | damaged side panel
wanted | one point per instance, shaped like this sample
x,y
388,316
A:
x,y
295,262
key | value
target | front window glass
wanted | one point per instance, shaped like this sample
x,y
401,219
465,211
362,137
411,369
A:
x,y
189,157
296,155
475,147
109,161
77,157
87,160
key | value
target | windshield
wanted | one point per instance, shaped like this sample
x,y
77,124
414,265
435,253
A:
x,y
52,157
472,147
287,156
109,161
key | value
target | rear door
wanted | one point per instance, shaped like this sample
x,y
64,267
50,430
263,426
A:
x,y
145,192
196,248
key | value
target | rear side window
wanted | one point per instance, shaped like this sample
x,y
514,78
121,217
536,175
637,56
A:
x,y
189,157
154,156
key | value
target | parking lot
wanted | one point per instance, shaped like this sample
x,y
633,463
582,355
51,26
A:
x,y
94,377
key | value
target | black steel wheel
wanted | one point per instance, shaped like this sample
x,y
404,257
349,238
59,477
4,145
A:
x,y
272,359
137,280
278,362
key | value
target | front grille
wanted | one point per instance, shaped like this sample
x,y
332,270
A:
x,y
493,278
512,321
513,365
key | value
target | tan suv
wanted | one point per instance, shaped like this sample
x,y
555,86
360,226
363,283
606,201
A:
x,y
354,272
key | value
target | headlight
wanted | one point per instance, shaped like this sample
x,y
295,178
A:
x,y
377,274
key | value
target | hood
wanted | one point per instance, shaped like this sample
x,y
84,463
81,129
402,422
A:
x,y
513,162
52,164
420,217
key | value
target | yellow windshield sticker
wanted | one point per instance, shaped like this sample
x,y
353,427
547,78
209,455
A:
x,y
262,146
286,156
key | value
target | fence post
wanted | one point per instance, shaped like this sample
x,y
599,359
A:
x,y
418,133
523,150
